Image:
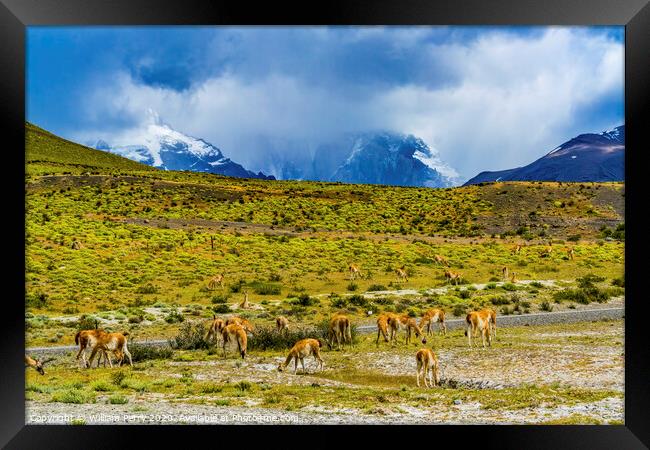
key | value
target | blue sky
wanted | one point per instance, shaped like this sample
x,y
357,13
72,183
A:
x,y
485,98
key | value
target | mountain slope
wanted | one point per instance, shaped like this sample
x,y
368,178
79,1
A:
x,y
391,158
163,147
587,157
44,147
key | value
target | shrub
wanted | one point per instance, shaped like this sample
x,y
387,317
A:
x,y
536,284
220,298
141,352
509,287
546,306
221,309
190,337
500,300
305,300
352,287
36,300
459,310
464,294
87,322
117,378
76,396
267,337
264,288
376,287
620,282
174,316
147,289
101,386
117,400
358,300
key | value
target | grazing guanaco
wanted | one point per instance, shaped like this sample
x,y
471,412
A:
x,y
215,281
382,326
516,249
504,271
36,364
88,339
214,331
300,351
452,277
410,326
401,274
239,321
354,271
430,317
236,333
440,260
427,364
478,320
282,324
339,329
114,342
570,253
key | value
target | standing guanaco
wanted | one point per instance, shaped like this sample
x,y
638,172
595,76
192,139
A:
x,y
570,253
300,351
452,277
36,364
354,271
235,332
339,329
504,271
244,304
88,339
401,274
214,331
410,326
427,364
282,324
113,342
478,320
516,249
440,260
239,321
430,317
492,320
215,281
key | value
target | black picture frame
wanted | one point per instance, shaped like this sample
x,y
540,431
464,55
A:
x,y
15,15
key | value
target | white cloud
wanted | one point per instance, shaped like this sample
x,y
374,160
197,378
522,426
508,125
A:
x,y
511,99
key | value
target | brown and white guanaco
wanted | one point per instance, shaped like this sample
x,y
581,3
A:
x,y
339,329
235,333
432,316
427,364
301,350
478,321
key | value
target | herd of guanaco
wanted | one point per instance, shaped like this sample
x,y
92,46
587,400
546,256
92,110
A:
x,y
236,329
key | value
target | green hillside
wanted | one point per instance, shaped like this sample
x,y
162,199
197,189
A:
x,y
48,153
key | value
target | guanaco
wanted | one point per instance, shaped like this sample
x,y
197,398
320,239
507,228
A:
x,y
401,274
570,253
88,339
282,324
409,324
492,320
244,304
215,281
547,251
504,271
354,271
214,331
114,342
513,277
235,332
452,277
339,329
427,364
430,317
36,364
382,326
300,351
239,321
478,320
516,249
441,260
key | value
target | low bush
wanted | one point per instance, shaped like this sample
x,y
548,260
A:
x,y
190,337
140,352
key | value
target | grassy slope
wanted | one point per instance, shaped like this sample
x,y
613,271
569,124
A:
x,y
44,148
76,193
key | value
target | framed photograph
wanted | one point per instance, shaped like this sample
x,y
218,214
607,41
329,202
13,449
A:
x,y
367,215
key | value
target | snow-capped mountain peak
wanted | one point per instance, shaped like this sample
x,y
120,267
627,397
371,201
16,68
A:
x,y
159,145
